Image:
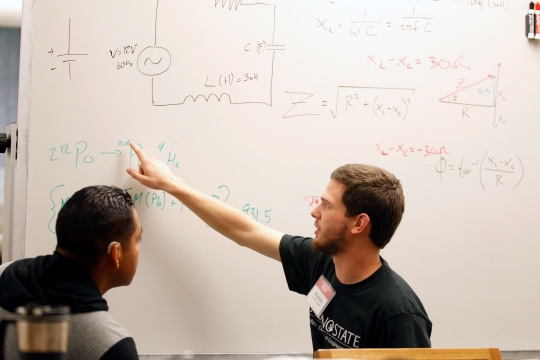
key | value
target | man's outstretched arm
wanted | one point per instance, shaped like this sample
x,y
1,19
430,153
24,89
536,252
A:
x,y
225,219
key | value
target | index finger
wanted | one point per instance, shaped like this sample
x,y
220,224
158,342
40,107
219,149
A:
x,y
137,151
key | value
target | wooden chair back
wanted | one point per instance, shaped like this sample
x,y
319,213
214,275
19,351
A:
x,y
410,354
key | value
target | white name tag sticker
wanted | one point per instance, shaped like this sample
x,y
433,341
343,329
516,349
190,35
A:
x,y
319,297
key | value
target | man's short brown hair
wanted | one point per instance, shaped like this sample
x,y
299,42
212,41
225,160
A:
x,y
375,192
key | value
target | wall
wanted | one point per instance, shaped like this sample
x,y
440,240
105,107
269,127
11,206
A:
x,y
9,76
9,86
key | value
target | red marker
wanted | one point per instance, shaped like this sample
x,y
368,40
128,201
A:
x,y
537,17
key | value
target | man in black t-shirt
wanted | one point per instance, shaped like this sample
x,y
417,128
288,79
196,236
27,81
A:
x,y
359,212
382,311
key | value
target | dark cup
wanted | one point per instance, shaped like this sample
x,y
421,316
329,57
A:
x,y
42,332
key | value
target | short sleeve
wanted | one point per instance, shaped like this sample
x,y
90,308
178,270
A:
x,y
301,264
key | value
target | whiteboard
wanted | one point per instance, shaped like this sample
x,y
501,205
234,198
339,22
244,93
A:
x,y
255,104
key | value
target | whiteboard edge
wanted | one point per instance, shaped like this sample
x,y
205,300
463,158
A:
x,y
23,121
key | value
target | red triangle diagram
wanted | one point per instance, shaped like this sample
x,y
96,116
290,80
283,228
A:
x,y
481,93
313,201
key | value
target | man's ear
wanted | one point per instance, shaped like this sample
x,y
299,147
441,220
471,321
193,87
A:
x,y
362,224
114,251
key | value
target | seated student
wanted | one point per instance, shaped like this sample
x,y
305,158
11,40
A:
x,y
98,234
359,212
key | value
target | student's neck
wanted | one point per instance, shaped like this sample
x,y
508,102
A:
x,y
357,265
100,280
93,271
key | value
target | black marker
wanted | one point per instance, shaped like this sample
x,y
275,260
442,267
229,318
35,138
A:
x,y
531,22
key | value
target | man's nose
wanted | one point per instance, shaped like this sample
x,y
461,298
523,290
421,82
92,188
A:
x,y
315,212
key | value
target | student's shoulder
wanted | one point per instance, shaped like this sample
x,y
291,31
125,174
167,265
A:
x,y
4,266
399,295
22,264
102,321
394,278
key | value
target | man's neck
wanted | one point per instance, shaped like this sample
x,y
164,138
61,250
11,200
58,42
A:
x,y
355,266
94,272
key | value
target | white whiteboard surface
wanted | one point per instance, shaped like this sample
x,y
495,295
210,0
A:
x,y
256,104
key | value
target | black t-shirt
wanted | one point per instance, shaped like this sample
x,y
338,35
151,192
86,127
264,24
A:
x,y
381,311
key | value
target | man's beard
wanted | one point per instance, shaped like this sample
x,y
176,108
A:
x,y
330,242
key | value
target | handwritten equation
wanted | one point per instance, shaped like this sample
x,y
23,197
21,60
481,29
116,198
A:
x,y
486,4
79,153
412,23
159,201
231,79
409,63
406,151
493,171
359,28
82,153
501,5
357,101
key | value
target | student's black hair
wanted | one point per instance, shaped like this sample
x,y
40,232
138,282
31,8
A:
x,y
91,219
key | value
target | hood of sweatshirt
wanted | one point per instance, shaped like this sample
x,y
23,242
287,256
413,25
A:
x,y
49,280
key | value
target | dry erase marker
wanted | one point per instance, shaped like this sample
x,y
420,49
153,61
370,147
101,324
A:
x,y
537,18
531,23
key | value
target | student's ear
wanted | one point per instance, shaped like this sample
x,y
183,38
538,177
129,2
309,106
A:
x,y
362,224
114,252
